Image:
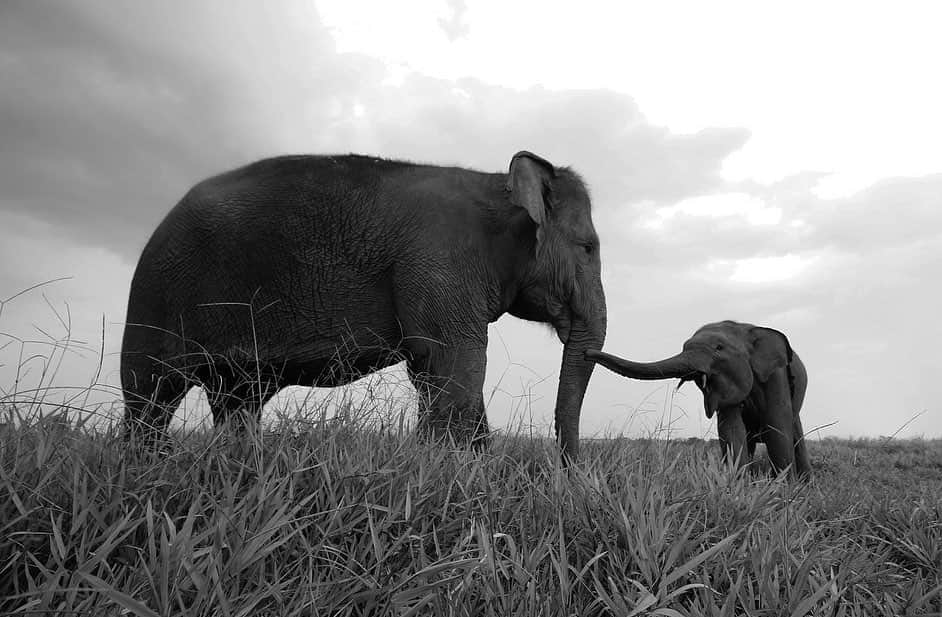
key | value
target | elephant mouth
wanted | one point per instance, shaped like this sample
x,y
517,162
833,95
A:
x,y
698,378
711,402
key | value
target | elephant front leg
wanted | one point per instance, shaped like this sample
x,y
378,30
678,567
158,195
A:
x,y
778,420
732,433
451,400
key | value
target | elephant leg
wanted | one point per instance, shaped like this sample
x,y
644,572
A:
x,y
451,399
778,421
422,387
802,460
778,440
220,389
732,433
238,398
230,404
149,406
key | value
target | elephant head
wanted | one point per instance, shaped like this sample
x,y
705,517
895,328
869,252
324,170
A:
x,y
724,360
561,283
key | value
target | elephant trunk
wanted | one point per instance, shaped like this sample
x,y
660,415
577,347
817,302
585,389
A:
x,y
574,379
680,366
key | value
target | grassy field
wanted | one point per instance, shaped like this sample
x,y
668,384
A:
x,y
332,518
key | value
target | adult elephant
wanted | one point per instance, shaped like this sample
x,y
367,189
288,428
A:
x,y
750,376
316,270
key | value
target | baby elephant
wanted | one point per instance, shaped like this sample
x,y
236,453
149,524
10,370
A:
x,y
750,377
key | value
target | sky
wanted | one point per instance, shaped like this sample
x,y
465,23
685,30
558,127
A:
x,y
774,164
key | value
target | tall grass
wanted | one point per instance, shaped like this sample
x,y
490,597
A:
x,y
352,515
336,519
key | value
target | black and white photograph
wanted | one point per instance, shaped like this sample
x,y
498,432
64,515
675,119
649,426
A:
x,y
462,307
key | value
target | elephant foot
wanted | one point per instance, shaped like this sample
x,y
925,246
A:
x,y
462,431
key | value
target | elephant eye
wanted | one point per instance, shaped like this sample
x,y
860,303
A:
x,y
589,248
719,346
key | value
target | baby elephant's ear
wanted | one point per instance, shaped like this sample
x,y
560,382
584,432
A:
x,y
770,351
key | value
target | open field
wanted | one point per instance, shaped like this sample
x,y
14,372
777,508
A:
x,y
329,518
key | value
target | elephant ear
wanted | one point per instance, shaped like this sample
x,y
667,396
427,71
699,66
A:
x,y
770,350
529,186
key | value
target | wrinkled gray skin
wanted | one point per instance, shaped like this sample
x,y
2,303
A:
x,y
743,372
317,270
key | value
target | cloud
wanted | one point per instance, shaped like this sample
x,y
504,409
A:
x,y
891,213
115,113
753,209
455,26
764,269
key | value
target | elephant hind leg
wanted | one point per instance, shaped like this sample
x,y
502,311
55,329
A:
x,y
151,396
237,397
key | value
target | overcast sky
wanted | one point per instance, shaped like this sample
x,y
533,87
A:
x,y
777,166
